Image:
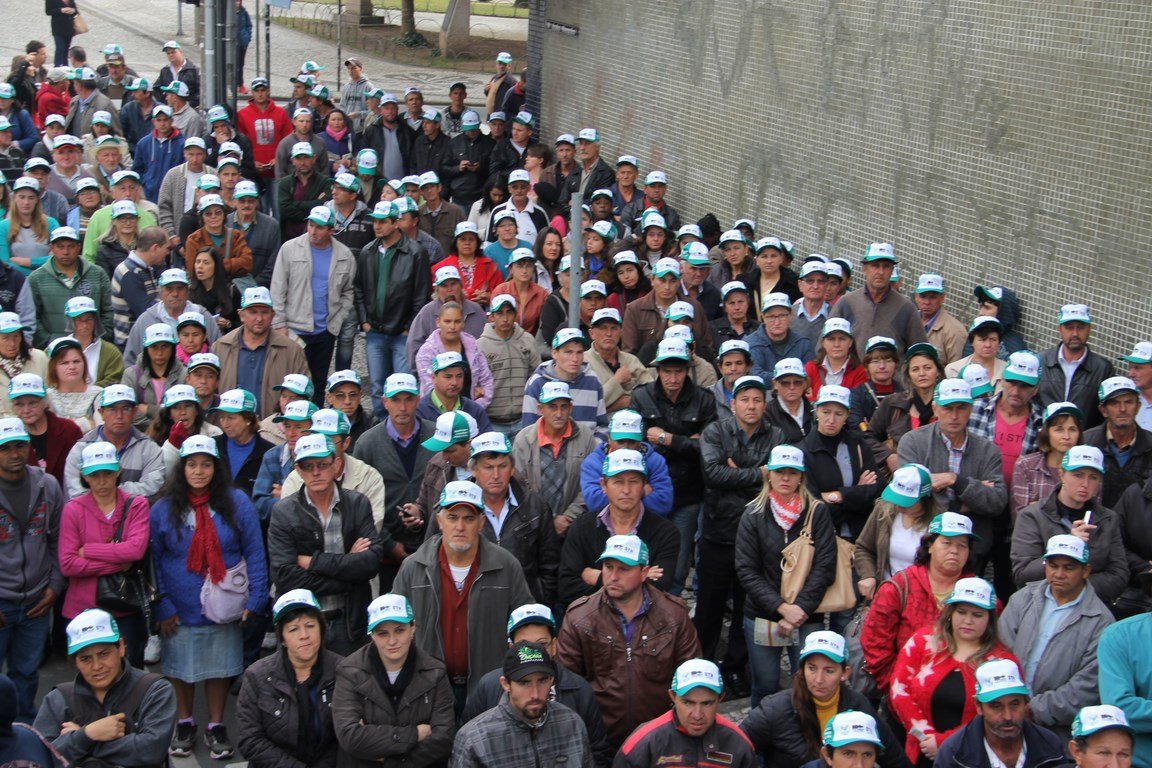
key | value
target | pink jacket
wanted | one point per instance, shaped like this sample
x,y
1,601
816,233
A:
x,y
82,524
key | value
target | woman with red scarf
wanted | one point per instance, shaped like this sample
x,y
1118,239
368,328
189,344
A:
x,y
479,273
202,529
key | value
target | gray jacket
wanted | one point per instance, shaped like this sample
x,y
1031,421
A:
x,y
981,463
28,542
526,459
499,589
263,238
292,286
156,314
170,199
141,465
501,736
1040,521
1065,679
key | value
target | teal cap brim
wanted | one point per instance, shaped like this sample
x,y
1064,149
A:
x,y
1018,690
100,468
899,500
74,649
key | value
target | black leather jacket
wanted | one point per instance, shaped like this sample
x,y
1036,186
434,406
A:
x,y
689,415
730,489
409,286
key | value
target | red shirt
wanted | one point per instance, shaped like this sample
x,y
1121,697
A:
x,y
454,614
1009,438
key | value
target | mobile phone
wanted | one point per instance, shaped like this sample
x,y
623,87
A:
x,y
1088,517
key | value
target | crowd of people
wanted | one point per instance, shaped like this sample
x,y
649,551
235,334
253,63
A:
x,y
479,554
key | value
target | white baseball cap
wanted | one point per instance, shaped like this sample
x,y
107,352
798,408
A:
x,y
834,394
294,598
1066,545
554,390
389,607
1024,367
825,643
1090,720
680,310
100,456
199,444
951,524
1141,353
1083,457
1074,313
500,301
605,313
697,673
786,457
399,383
930,282
788,366
998,678
774,300
851,727
445,274
626,424
462,492
953,391
490,442
974,591
905,488
90,627
836,325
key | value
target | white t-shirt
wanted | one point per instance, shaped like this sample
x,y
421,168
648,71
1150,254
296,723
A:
x,y
902,545
459,574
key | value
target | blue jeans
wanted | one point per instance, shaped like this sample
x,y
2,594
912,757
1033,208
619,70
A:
x,y
386,356
764,661
22,642
685,519
346,343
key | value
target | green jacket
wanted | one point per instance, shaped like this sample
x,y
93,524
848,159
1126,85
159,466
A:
x,y
101,221
111,367
50,294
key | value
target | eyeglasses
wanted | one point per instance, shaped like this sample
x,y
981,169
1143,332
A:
x,y
310,467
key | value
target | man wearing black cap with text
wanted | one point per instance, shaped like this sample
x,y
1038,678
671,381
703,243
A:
x,y
527,728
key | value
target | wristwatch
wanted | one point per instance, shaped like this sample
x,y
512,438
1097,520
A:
x,y
662,438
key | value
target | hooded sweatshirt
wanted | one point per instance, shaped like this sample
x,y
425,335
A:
x,y
588,409
511,361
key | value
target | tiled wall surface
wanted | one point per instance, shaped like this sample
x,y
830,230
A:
x,y
999,141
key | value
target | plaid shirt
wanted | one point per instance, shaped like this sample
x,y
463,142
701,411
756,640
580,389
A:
x,y
983,422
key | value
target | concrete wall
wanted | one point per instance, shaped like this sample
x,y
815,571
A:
x,y
1002,141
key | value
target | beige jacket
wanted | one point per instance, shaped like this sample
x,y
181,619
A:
x,y
292,286
613,389
358,477
949,336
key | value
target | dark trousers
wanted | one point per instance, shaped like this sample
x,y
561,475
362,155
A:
x,y
318,352
717,573
134,631
63,43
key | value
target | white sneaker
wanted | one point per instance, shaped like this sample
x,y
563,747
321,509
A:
x,y
152,650
270,641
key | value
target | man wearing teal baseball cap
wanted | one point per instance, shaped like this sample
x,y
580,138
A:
x,y
693,726
626,430
1127,447
967,473
1002,727
851,740
876,309
618,617
341,522
463,587
141,460
1072,371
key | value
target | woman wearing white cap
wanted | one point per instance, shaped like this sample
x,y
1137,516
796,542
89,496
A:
x,y
205,534
1072,508
836,360
103,531
786,728
934,678
738,262
120,239
284,713
774,519
1037,474
393,703
908,407
155,371
891,536
16,356
24,231
70,393
478,272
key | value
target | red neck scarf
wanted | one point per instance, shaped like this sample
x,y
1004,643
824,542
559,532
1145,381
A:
x,y
204,553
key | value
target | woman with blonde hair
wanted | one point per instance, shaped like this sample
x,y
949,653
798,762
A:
x,y
774,519
24,232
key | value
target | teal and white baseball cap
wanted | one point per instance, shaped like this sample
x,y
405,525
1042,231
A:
x,y
89,628
734,345
834,394
825,643
500,301
1141,353
389,607
985,324
462,492
566,335
384,210
1055,409
624,460
294,598
13,430
1101,717
199,444
297,384
786,457
490,442
696,253
530,613
446,360
950,524
180,393
697,673
100,456
589,287
1074,313
297,410
452,428
732,286
880,342
245,188
322,215
953,392
26,385
521,254
62,343
680,310
751,381
1024,367
1083,457
158,333
313,447
330,422
175,275
905,488
115,393
606,314
879,252
10,323
998,678
1067,545
554,390
237,401
191,318
400,383
79,305
666,266
64,233
775,301
626,424
627,257
627,549
672,350
976,377
973,591
681,332
836,325
851,727
930,282
257,295
789,366
1116,385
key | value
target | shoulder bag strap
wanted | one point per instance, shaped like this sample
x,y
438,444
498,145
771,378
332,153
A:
x,y
117,536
